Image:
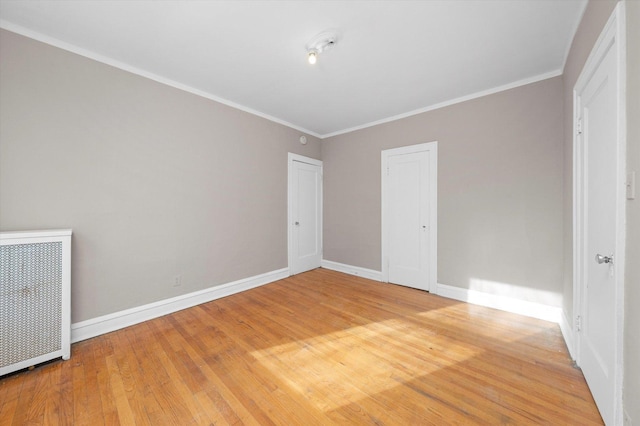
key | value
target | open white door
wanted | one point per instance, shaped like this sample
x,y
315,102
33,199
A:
x,y
599,197
409,226
305,214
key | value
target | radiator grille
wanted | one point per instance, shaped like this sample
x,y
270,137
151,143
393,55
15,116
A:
x,y
30,300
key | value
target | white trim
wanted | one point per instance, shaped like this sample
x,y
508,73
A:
x,y
474,297
450,102
290,160
36,236
107,323
432,147
352,270
508,304
567,333
621,203
576,230
614,32
143,73
503,303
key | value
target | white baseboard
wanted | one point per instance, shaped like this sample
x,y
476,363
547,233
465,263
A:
x,y
96,326
352,270
509,304
567,333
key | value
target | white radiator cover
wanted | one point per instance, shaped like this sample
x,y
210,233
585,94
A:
x,y
35,298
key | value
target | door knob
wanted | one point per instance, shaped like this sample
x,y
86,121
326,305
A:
x,y
604,259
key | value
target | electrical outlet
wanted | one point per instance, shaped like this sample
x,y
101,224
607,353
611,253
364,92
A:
x,y
177,281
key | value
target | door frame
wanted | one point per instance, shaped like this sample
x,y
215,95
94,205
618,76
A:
x,y
431,147
612,34
301,159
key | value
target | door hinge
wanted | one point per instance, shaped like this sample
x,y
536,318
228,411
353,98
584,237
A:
x,y
578,323
579,126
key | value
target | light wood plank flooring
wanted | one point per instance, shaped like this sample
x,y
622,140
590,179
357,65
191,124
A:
x,y
318,348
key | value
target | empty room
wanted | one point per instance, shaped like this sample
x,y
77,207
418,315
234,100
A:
x,y
319,212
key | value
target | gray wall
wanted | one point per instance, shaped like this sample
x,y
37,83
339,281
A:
x,y
632,287
499,191
155,182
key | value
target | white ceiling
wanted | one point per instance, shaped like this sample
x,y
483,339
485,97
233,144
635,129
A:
x,y
393,58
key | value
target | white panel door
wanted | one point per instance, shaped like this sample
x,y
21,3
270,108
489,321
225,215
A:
x,y
306,216
597,141
409,216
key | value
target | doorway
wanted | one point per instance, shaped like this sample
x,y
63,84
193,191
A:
x,y
305,214
409,216
599,216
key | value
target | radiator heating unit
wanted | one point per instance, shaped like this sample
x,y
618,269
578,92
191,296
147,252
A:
x,y
35,298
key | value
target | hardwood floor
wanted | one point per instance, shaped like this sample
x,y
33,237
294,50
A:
x,y
318,348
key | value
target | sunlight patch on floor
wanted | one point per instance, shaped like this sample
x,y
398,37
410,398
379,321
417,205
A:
x,y
351,364
504,335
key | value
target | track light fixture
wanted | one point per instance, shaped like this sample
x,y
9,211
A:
x,y
320,43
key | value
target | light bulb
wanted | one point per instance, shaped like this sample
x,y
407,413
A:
x,y
312,57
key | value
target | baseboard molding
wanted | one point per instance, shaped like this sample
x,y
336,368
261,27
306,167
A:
x,y
101,325
352,270
509,304
567,333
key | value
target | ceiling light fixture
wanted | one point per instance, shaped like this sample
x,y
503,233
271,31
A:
x,y
312,57
320,43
